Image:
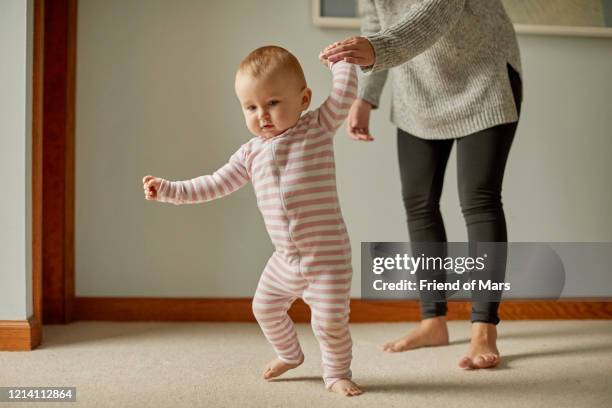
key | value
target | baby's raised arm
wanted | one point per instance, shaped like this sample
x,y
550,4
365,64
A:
x,y
222,182
344,91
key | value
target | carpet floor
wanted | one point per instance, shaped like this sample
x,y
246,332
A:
x,y
545,364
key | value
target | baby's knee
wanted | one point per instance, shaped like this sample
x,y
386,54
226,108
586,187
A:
x,y
332,323
259,310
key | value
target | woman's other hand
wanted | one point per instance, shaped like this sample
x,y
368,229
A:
x,y
358,122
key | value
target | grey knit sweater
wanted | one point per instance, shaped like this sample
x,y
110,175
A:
x,y
447,60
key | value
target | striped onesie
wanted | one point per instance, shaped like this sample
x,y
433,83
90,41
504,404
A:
x,y
293,175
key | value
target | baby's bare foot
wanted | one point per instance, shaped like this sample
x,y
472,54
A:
x,y
346,387
430,332
277,367
483,352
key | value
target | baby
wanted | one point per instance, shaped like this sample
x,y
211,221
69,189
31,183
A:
x,y
290,162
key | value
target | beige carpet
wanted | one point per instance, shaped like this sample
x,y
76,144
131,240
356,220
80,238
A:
x,y
546,364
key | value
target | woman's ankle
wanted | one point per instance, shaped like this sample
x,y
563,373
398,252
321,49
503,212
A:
x,y
437,321
484,330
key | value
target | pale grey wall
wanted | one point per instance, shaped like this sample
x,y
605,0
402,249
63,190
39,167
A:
x,y
155,95
15,159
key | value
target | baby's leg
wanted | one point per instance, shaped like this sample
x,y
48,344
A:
x,y
275,293
329,318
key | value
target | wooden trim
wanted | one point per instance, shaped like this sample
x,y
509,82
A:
x,y
58,160
239,310
70,161
37,154
20,335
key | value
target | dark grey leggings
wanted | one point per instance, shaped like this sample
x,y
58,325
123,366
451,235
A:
x,y
481,160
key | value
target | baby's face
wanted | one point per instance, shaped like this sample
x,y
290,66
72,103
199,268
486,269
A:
x,y
271,104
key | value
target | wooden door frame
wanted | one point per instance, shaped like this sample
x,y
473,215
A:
x,y
58,161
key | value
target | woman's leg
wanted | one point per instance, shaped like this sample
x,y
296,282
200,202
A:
x,y
481,162
422,165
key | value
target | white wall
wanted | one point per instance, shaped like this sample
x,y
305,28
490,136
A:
x,y
155,95
16,23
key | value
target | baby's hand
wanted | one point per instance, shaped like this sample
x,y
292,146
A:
x,y
324,60
151,187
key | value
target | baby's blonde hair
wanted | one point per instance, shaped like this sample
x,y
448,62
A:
x,y
272,59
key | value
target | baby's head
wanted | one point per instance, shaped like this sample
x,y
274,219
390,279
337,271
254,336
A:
x,y
271,88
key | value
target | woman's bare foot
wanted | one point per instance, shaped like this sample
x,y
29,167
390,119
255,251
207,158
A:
x,y
483,351
277,367
430,332
346,387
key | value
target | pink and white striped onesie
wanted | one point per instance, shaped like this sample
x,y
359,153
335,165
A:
x,y
293,175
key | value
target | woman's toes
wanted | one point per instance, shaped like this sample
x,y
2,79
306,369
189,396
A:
x,y
388,347
465,362
486,360
493,359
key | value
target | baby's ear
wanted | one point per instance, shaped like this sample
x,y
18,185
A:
x,y
306,97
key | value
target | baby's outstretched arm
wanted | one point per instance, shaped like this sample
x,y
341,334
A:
x,y
222,182
344,91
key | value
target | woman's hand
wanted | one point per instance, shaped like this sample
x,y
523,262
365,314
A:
x,y
355,50
151,187
324,61
358,121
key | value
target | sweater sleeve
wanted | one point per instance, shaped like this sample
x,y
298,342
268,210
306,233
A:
x,y
371,85
420,28
222,182
334,110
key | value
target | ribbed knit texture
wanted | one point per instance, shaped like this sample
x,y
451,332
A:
x,y
447,59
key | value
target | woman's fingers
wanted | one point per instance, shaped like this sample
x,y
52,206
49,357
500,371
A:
x,y
354,50
365,136
323,61
352,42
340,49
345,54
339,43
360,55
352,60
360,134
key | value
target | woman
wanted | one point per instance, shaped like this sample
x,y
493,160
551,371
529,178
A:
x,y
455,74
